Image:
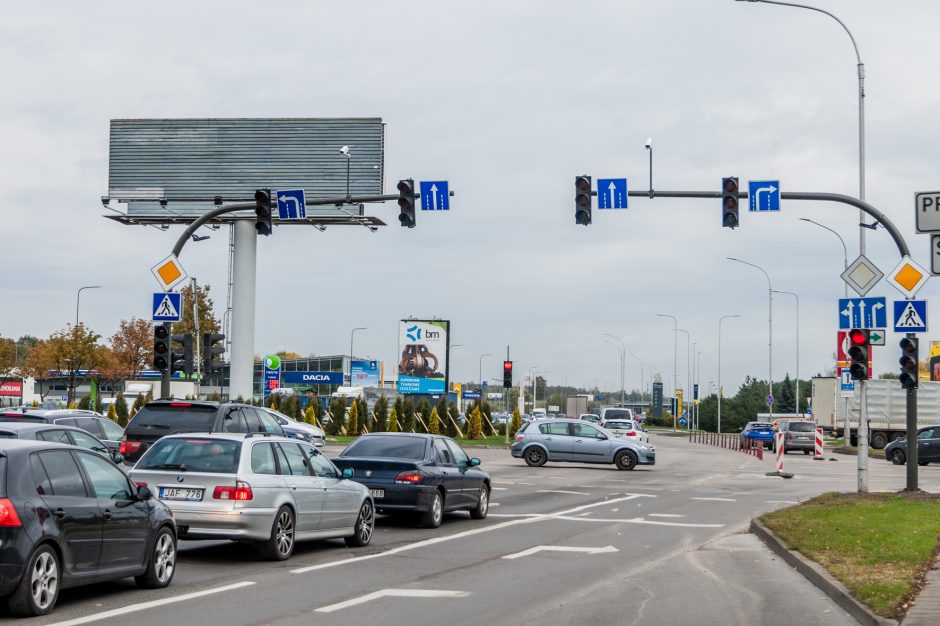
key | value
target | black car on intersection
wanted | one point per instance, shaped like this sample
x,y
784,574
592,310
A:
x,y
425,474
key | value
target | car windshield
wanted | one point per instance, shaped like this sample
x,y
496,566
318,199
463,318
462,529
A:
x,y
614,413
180,416
217,456
387,446
802,427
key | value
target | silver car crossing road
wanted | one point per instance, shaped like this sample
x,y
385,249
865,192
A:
x,y
579,441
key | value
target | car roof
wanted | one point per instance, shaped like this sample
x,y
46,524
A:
x,y
232,436
71,413
421,435
18,426
26,444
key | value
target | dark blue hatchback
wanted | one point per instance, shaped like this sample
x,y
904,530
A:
x,y
758,432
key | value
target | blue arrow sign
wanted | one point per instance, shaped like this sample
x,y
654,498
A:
x,y
763,195
167,307
434,196
291,204
862,313
611,193
910,316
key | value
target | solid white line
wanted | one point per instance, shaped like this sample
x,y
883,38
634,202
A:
x,y
149,605
393,593
499,488
637,520
664,515
716,499
467,533
514,514
573,493
536,549
529,484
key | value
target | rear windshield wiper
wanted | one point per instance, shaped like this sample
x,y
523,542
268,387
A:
x,y
177,466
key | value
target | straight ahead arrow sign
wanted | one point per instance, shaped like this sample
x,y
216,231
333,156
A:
x,y
531,551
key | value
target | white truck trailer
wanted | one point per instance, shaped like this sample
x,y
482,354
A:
x,y
887,408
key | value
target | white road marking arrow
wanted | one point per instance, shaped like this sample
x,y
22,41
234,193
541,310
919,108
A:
x,y
394,593
434,202
874,314
757,192
286,199
613,190
849,311
531,551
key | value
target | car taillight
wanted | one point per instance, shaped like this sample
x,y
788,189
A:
x,y
520,437
8,516
408,478
129,447
241,491
140,484
630,434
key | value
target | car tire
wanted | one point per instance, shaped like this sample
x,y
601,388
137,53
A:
x,y
365,526
535,457
483,504
38,589
162,562
879,440
280,545
898,457
433,517
625,460
923,463
806,451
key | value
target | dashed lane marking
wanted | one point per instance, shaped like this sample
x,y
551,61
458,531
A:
x,y
664,514
715,499
573,493
393,593
635,520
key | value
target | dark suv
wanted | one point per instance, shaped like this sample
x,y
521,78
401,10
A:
x,y
167,417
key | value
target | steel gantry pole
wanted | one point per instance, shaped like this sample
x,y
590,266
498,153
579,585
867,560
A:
x,y
770,336
861,111
675,361
790,293
720,391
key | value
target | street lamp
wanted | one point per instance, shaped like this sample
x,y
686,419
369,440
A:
x,y
352,334
481,375
675,348
720,391
532,378
770,336
845,254
861,112
78,299
623,361
790,293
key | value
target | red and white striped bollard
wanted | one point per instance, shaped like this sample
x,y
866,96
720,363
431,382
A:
x,y
780,450
820,453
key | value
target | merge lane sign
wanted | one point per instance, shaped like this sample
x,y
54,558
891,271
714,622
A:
x,y
927,211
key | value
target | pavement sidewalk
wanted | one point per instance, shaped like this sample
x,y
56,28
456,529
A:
x,y
926,608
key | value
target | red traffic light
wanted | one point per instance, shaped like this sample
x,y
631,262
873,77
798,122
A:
x,y
859,336
507,366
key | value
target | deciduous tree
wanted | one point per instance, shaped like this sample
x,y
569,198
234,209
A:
x,y
132,347
207,320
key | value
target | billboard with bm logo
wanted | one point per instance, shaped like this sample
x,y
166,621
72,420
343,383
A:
x,y
424,347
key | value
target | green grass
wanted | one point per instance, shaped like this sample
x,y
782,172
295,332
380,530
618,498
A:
x,y
878,545
499,441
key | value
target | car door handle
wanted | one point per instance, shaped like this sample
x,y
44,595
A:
x,y
107,514
60,513
578,441
548,439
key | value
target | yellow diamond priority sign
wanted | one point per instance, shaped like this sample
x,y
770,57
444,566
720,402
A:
x,y
908,277
169,273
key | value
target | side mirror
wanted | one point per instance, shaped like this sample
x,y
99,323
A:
x,y
117,457
348,473
144,493
474,462
602,437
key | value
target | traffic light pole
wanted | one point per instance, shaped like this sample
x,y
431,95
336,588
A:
x,y
863,438
912,434
166,374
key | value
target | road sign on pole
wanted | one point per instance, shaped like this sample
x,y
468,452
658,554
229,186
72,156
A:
x,y
910,316
611,193
763,195
847,385
291,204
862,275
169,273
908,277
935,254
862,313
927,211
435,196
167,307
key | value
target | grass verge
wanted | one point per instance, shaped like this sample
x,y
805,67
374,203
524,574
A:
x,y
877,545
493,442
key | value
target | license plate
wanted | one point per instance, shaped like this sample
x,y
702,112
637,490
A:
x,y
178,493
377,493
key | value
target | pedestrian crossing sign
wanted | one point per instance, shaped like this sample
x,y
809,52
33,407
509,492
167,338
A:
x,y
167,307
910,316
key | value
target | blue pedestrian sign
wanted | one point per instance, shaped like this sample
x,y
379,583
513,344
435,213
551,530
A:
x,y
611,193
167,307
434,196
763,195
862,313
291,204
910,316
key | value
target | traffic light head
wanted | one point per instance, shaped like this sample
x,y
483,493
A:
x,y
210,351
263,211
182,360
909,362
406,202
729,202
582,200
507,374
858,353
161,347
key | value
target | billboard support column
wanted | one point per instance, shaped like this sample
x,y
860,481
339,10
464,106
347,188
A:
x,y
244,253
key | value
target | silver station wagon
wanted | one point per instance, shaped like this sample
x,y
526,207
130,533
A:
x,y
259,488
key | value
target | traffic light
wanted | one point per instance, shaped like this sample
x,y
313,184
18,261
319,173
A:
x,y
210,351
859,350
729,202
909,362
161,347
263,211
406,202
582,200
507,374
183,361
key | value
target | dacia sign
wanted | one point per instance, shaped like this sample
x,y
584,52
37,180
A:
x,y
313,378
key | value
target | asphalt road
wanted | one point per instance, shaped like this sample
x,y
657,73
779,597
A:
x,y
668,545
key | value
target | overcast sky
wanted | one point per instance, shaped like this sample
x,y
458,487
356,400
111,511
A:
x,y
508,101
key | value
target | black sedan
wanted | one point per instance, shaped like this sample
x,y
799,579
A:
x,y
69,517
427,474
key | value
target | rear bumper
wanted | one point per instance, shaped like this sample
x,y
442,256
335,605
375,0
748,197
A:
x,y
800,444
15,547
403,497
252,524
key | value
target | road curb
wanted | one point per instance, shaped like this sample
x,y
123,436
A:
x,y
817,575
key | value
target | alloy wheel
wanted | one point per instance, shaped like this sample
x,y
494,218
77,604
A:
x,y
285,533
44,580
165,558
